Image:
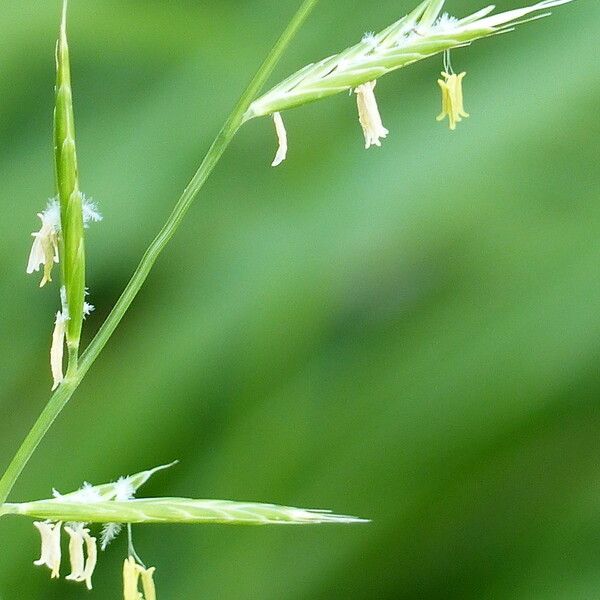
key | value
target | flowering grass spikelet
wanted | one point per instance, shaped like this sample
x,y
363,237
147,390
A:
x,y
70,198
60,239
423,33
452,98
113,504
175,510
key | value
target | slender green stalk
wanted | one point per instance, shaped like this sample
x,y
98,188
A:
x,y
63,394
47,417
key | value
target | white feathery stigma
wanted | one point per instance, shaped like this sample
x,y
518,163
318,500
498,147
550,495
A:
x,y
445,23
370,39
124,490
110,532
91,214
88,494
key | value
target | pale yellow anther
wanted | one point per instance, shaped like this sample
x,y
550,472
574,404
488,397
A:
x,y
92,558
132,573
131,576
82,569
148,582
51,553
45,530
368,114
44,250
57,349
452,99
55,552
76,555
282,139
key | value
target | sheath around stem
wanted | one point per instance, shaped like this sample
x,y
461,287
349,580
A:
x,y
71,201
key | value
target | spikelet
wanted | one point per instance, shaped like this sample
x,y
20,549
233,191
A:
x,y
104,504
70,198
421,34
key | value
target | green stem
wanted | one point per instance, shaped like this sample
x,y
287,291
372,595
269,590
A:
x,y
63,394
73,359
8,509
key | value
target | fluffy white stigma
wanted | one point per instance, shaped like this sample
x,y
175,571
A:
x,y
91,214
110,531
446,23
369,39
124,489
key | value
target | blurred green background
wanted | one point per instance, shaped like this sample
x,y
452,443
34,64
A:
x,y
409,334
